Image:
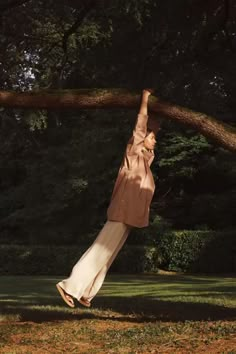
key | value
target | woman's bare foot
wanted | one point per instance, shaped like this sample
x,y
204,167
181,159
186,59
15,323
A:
x,y
66,297
84,302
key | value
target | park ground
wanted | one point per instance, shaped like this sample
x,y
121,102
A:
x,y
131,314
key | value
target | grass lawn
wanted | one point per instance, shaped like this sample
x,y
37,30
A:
x,y
132,314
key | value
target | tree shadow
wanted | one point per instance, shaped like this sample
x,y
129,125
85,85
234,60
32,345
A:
x,y
151,309
142,301
136,309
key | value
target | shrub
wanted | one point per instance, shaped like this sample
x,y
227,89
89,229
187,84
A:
x,y
31,260
42,260
136,259
186,251
198,251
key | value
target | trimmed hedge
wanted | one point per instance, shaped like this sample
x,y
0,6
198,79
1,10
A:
x,y
198,251
43,260
186,251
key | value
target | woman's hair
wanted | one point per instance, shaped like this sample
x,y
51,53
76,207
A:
x,y
149,130
153,125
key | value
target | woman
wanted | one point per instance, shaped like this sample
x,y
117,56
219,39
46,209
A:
x,y
129,207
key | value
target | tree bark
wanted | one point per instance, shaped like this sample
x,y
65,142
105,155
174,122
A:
x,y
220,133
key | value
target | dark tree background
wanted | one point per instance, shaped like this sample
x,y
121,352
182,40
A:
x,y
57,169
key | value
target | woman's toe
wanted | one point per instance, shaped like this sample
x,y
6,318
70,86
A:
x,y
69,298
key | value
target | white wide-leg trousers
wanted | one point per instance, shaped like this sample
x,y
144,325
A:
x,y
89,272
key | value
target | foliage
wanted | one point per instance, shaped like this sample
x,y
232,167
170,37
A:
x,y
198,251
57,169
56,260
186,251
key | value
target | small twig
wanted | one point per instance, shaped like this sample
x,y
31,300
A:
x,y
170,343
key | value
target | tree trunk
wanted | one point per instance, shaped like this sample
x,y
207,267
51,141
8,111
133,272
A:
x,y
222,134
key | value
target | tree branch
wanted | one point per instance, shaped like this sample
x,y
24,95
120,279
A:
x,y
12,4
83,13
216,22
221,133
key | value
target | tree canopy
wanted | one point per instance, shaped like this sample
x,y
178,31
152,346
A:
x,y
53,161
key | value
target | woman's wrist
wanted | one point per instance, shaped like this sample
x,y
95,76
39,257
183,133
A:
x,y
146,93
144,101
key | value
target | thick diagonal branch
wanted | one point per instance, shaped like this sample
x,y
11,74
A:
x,y
222,134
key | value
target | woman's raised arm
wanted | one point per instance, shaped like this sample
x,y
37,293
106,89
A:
x,y
140,129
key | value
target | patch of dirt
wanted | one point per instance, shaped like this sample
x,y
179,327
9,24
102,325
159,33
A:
x,y
86,336
26,349
219,346
102,326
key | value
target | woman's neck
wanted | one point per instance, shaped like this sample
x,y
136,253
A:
x,y
147,150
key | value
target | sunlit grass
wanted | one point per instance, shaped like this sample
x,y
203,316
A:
x,y
131,314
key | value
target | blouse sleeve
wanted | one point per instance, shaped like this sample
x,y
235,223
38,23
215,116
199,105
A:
x,y
140,129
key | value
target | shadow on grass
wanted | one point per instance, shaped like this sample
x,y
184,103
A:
x,y
147,309
135,309
141,299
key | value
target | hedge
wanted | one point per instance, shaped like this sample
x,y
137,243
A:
x,y
186,251
58,260
198,251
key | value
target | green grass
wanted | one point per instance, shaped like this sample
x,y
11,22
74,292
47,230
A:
x,y
131,314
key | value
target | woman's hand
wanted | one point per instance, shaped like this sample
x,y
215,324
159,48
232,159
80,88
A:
x,y
144,101
148,91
